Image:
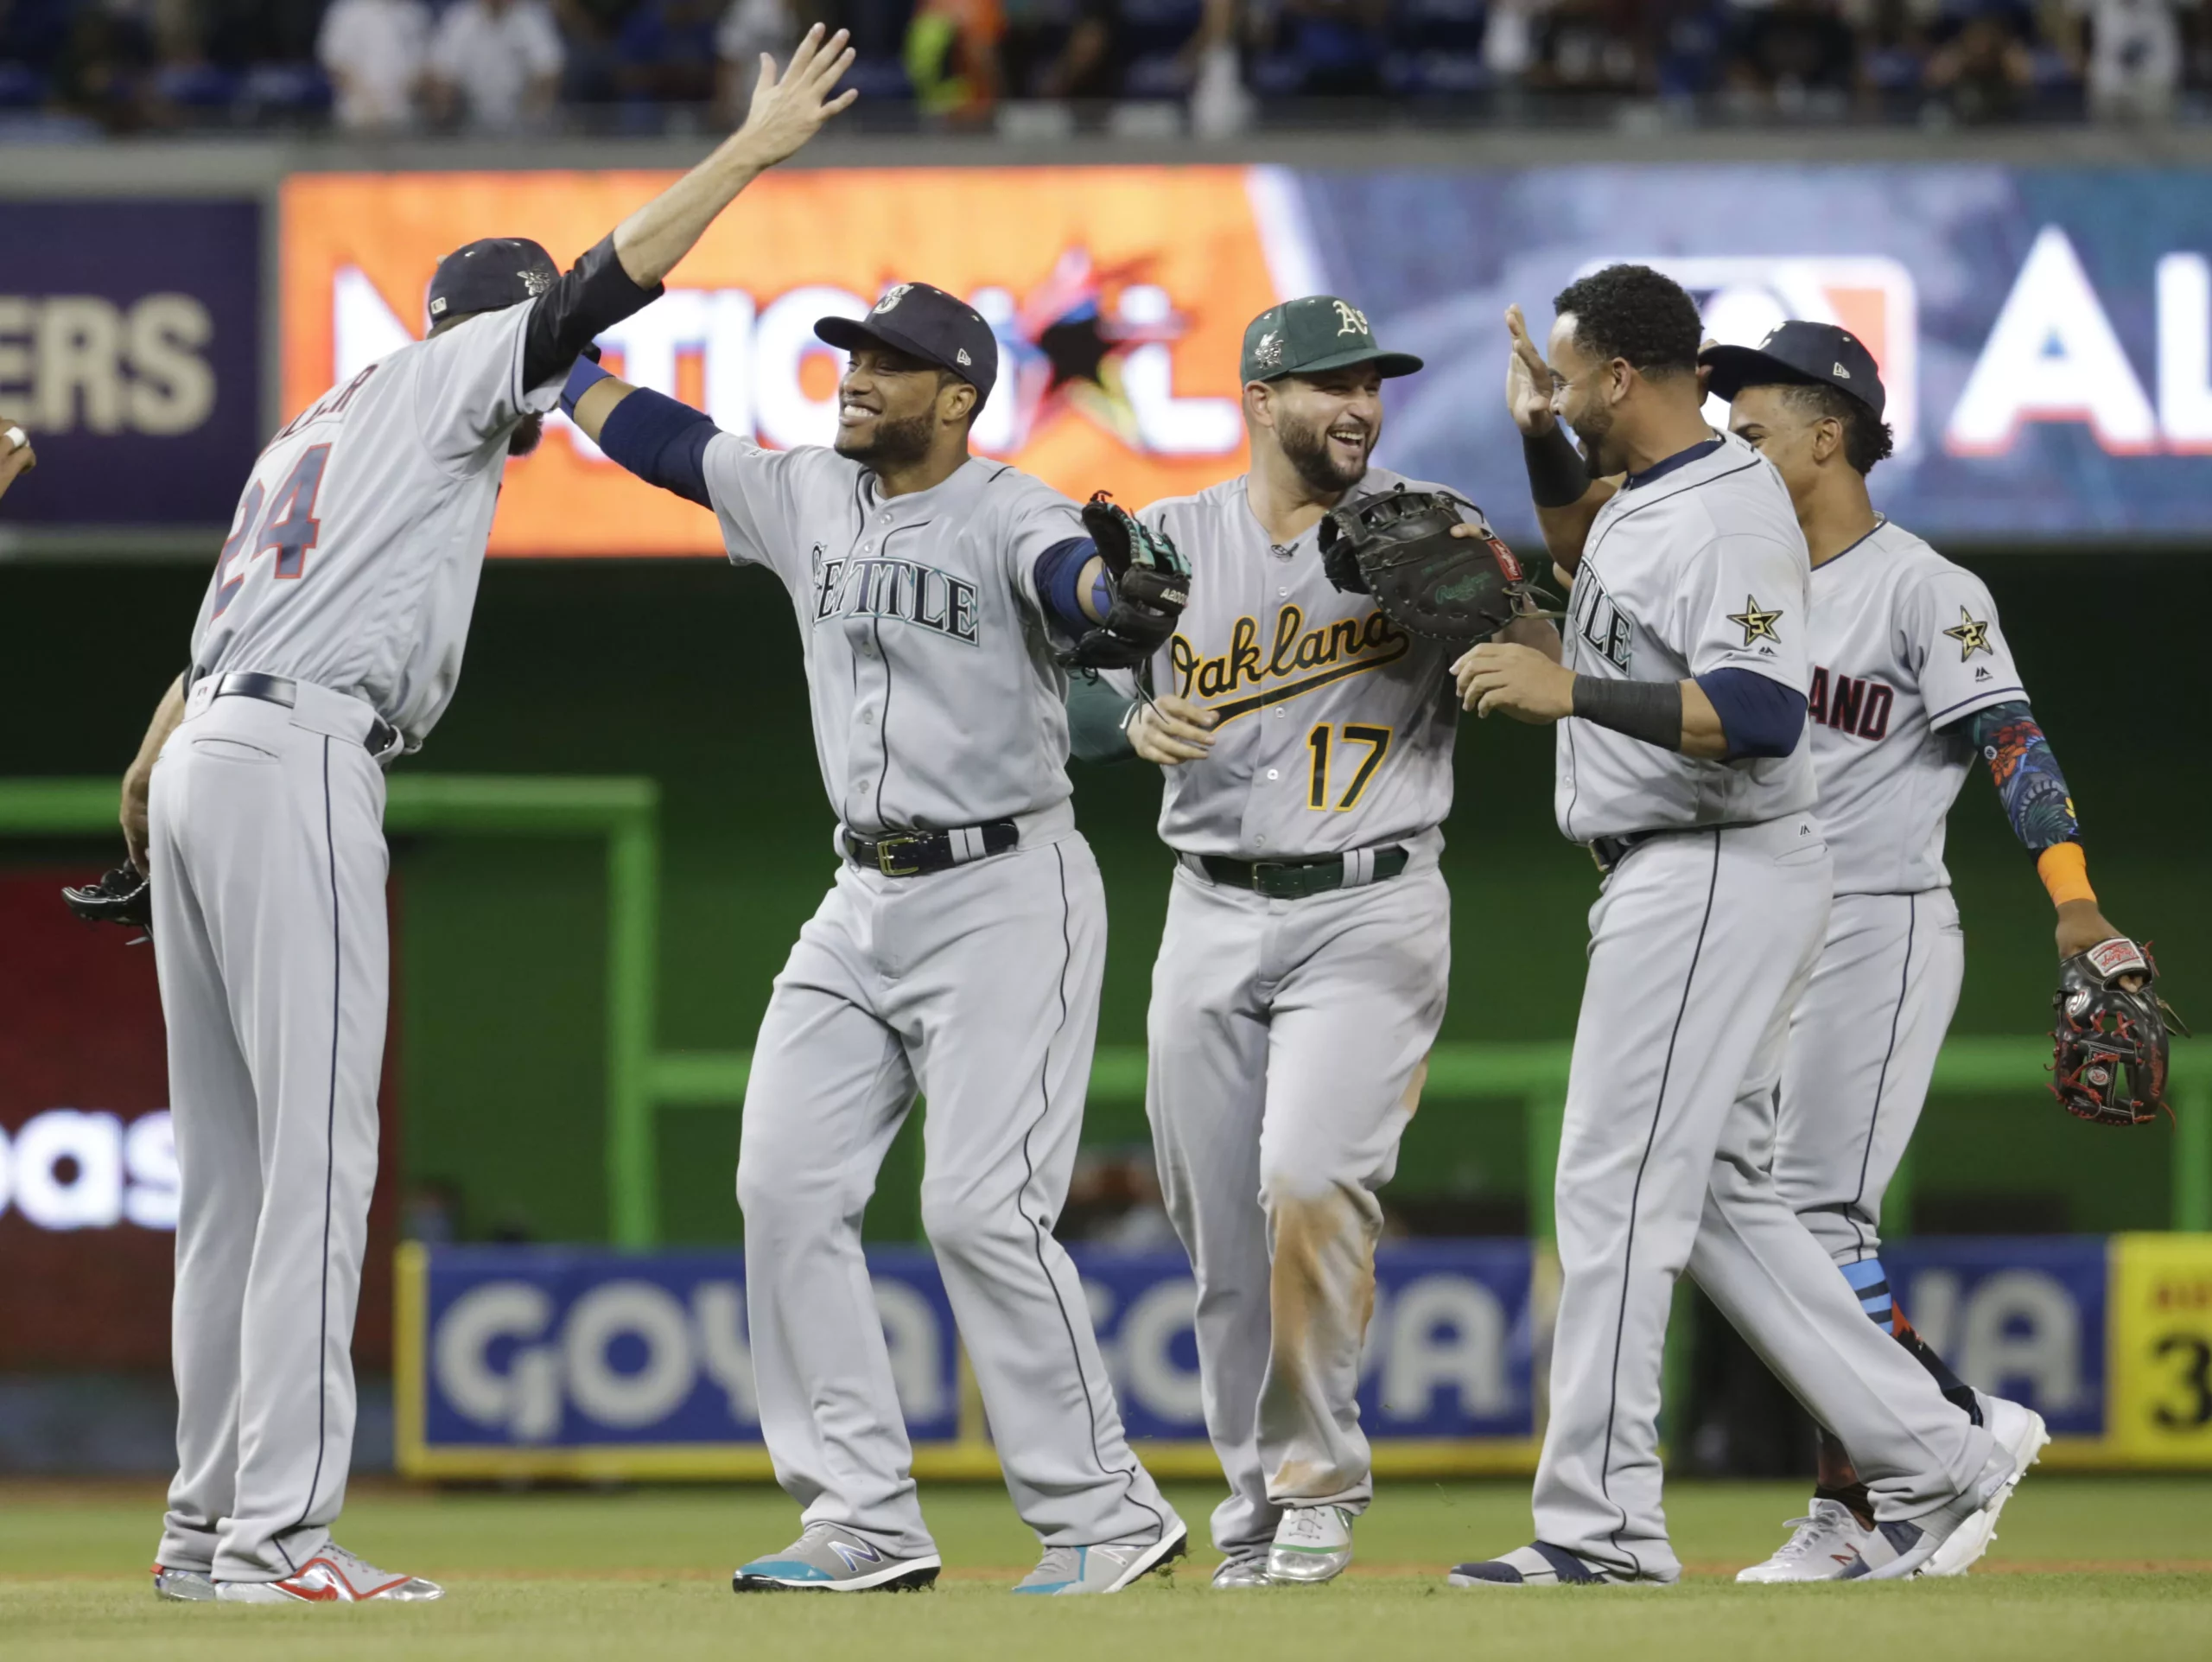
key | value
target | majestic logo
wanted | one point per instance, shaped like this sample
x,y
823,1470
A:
x,y
1858,705
905,590
1756,624
1349,320
1600,624
891,295
1299,660
1973,636
1267,352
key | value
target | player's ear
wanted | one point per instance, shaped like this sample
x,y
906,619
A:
x,y
1259,404
1827,438
956,403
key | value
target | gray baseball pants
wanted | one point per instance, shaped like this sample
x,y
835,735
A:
x,y
268,866
1289,1041
1862,1044
978,986
1702,943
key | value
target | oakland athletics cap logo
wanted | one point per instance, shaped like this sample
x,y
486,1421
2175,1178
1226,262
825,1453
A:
x,y
1350,319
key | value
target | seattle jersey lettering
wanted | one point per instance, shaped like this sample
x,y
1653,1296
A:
x,y
905,590
1348,646
1601,624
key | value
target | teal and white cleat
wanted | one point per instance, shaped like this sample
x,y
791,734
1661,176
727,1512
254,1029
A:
x,y
828,1558
1107,1567
1313,1545
183,1586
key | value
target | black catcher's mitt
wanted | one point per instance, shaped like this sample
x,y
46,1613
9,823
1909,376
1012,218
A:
x,y
122,895
1151,581
2109,1064
1399,548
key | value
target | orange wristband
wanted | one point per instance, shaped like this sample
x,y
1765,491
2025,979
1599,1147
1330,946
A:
x,y
2065,873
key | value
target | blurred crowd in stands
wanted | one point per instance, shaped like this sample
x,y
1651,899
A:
x,y
1043,66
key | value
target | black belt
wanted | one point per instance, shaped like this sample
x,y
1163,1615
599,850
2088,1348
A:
x,y
912,854
1293,880
281,689
1609,851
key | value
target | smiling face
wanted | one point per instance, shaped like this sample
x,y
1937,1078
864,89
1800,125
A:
x,y
1583,389
890,407
1327,424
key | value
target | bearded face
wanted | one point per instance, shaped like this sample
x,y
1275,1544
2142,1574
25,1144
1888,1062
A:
x,y
887,440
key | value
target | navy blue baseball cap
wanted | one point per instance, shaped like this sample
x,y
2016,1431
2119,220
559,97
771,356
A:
x,y
927,323
1798,354
490,275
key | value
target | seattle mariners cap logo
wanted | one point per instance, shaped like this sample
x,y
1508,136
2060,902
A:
x,y
1350,321
891,296
1268,351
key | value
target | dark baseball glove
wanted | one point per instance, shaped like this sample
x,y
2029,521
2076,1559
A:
x,y
2109,1064
1399,548
122,895
1151,581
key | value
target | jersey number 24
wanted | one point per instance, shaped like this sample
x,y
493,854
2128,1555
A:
x,y
289,526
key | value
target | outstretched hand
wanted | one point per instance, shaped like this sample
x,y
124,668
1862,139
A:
x,y
1527,379
16,457
789,109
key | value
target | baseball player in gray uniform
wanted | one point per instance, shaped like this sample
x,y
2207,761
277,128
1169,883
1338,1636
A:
x,y
1307,744
1684,763
958,953
1912,679
329,642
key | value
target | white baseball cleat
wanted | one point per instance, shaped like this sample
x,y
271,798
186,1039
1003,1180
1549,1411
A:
x,y
1233,1573
1107,1567
182,1586
1313,1545
333,1576
1826,1544
2020,1432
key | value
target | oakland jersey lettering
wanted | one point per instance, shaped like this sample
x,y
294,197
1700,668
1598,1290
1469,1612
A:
x,y
1346,646
1857,706
905,590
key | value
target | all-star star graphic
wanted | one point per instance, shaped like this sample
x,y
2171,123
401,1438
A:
x,y
1756,624
1971,635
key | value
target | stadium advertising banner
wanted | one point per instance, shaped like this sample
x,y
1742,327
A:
x,y
556,1361
130,349
2045,335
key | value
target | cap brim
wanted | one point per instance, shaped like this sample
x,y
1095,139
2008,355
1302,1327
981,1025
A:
x,y
1734,368
1387,364
849,335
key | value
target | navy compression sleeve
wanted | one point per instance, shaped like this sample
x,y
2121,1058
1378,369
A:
x,y
661,440
1058,573
1758,716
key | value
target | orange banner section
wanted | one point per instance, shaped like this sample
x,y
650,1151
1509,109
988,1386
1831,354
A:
x,y
1120,296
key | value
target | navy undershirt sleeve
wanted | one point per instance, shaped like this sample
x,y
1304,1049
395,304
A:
x,y
1059,571
1759,717
661,440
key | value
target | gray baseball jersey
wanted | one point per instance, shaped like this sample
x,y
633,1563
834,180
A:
x,y
1698,565
353,559
935,700
1335,727
351,570
1905,646
937,705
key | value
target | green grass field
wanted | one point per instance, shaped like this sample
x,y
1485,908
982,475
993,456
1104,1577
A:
x,y
2116,1569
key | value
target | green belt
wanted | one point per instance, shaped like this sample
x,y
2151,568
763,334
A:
x,y
1294,880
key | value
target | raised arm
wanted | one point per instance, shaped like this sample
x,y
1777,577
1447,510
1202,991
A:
x,y
622,274
1565,497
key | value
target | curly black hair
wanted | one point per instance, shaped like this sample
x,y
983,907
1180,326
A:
x,y
1866,436
1632,312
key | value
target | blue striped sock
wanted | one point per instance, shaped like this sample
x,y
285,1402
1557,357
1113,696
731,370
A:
x,y
1872,1282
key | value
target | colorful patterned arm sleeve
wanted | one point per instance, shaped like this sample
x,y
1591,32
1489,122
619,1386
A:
x,y
2026,773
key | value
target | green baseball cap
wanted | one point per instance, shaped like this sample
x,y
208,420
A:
x,y
1320,332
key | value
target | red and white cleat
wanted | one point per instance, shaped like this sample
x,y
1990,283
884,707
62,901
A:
x,y
182,1586
333,1576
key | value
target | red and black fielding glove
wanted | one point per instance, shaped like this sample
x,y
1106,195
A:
x,y
2108,1063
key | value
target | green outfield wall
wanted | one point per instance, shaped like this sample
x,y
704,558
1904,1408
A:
x,y
688,672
